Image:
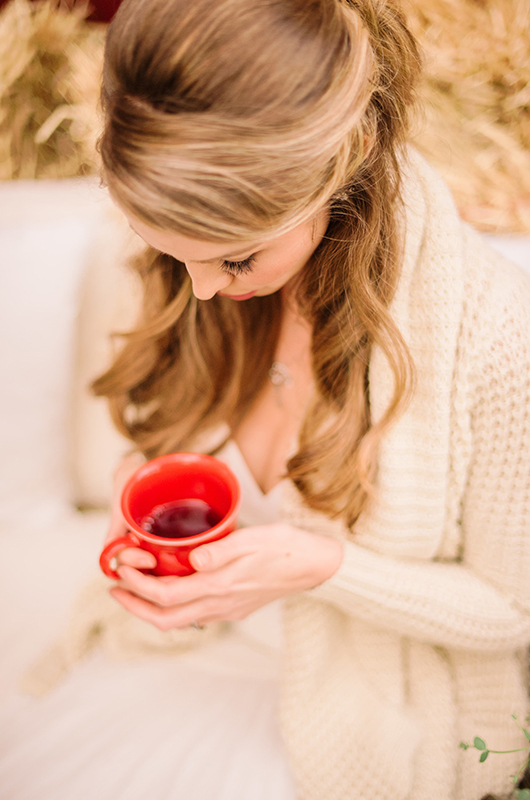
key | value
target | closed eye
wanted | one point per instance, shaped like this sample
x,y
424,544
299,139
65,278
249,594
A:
x,y
238,267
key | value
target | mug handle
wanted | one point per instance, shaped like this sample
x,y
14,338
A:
x,y
109,553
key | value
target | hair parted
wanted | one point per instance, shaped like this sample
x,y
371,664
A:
x,y
231,120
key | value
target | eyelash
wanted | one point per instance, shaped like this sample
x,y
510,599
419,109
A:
x,y
238,267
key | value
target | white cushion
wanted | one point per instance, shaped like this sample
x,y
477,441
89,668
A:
x,y
45,234
63,288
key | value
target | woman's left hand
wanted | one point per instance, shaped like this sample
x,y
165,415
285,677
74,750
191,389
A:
x,y
235,576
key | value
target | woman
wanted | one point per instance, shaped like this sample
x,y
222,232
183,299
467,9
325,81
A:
x,y
315,314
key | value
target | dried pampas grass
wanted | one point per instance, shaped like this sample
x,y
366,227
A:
x,y
50,67
474,126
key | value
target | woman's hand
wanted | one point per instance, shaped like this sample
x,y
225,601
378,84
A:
x,y
235,576
133,556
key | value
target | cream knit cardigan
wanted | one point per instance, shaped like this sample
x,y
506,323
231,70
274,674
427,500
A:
x,y
419,640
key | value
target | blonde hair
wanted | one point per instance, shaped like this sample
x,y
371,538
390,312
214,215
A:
x,y
235,120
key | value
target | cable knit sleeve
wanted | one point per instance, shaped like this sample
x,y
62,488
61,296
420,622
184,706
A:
x,y
481,602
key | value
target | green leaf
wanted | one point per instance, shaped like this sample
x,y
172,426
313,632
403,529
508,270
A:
x,y
464,746
479,743
523,794
526,734
484,755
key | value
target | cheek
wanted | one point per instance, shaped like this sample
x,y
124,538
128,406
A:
x,y
290,260
282,267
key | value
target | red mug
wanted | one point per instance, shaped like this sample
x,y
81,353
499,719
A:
x,y
163,483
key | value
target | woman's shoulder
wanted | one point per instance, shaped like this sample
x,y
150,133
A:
x,y
431,211
446,250
495,289
456,285
495,333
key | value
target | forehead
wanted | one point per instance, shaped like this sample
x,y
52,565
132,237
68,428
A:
x,y
190,249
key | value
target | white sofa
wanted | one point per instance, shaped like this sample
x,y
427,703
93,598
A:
x,y
64,287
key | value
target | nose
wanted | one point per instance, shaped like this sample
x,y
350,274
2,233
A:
x,y
206,280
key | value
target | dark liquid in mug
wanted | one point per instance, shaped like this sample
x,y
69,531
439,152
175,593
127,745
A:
x,y
180,518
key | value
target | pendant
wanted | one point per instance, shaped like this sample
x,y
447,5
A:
x,y
280,374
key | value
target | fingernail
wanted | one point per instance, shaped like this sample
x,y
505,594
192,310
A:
x,y
201,558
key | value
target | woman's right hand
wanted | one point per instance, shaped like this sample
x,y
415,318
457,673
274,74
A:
x,y
131,556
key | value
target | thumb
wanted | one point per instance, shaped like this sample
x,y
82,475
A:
x,y
200,559
216,554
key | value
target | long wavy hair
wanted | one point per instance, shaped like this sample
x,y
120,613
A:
x,y
235,120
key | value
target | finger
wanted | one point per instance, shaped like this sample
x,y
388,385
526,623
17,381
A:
x,y
214,555
171,591
125,470
137,558
163,618
117,528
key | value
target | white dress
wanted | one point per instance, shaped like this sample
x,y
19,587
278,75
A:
x,y
197,726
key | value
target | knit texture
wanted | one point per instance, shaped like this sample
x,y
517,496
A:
x,y
419,640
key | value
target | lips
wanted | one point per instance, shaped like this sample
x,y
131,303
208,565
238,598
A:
x,y
237,296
